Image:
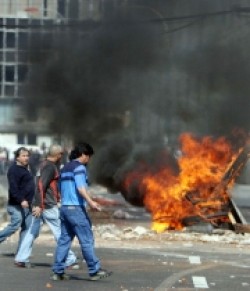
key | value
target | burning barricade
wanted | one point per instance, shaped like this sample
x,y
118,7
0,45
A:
x,y
181,192
198,193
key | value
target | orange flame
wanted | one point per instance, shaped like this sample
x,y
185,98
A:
x,y
202,165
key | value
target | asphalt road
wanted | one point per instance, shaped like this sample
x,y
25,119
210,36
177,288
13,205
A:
x,y
163,266
137,265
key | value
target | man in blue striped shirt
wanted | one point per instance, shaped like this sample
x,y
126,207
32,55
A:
x,y
74,217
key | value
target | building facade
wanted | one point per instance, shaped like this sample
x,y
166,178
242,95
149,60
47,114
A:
x,y
194,81
20,20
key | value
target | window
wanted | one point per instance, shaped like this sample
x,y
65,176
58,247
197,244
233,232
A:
x,y
1,39
46,40
61,7
45,6
31,138
73,9
21,138
22,72
10,39
10,57
35,22
23,41
23,56
9,73
10,90
10,21
23,22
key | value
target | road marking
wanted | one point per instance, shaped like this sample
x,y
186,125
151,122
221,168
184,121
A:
x,y
200,282
194,260
170,281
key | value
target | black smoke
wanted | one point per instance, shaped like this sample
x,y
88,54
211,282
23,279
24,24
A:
x,y
130,85
89,77
119,156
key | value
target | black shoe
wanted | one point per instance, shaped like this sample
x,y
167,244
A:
x,y
27,265
59,277
100,274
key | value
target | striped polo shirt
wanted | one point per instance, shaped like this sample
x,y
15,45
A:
x,y
73,176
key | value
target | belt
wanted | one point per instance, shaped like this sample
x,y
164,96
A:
x,y
72,206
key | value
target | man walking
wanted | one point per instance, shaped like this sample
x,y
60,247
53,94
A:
x,y
20,195
45,208
74,218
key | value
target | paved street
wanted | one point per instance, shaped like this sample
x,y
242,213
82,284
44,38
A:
x,y
136,266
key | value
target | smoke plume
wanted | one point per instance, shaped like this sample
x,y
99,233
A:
x,y
130,85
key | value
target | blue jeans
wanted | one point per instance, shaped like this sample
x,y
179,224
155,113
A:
x,y
19,217
75,222
51,217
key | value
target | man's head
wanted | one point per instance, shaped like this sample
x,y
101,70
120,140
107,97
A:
x,y
82,151
55,153
22,156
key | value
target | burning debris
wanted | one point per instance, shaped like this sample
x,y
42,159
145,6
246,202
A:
x,y
190,191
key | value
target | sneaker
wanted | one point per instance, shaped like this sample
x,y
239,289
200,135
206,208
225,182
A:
x,y
59,277
27,265
100,274
74,266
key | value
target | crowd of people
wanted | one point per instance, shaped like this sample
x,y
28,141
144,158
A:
x,y
33,199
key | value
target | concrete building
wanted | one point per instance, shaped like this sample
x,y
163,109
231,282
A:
x,y
194,84
17,21
16,18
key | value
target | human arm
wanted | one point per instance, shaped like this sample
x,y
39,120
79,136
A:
x,y
81,181
85,194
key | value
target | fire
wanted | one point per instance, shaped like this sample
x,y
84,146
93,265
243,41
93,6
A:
x,y
202,165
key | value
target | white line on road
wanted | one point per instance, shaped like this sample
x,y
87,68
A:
x,y
170,281
194,260
200,282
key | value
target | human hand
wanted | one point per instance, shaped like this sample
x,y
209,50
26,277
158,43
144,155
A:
x,y
94,205
24,204
36,211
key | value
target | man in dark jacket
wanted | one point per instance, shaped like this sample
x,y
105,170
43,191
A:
x,y
21,193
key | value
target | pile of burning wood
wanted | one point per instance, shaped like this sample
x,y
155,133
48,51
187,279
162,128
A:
x,y
198,193
229,214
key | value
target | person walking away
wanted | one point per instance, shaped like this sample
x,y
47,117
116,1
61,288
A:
x,y
74,217
20,195
45,209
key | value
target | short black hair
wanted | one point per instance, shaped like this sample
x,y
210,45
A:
x,y
81,148
19,150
